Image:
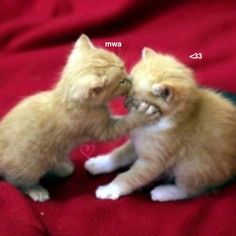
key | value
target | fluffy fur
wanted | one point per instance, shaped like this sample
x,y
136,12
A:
x,y
38,134
193,142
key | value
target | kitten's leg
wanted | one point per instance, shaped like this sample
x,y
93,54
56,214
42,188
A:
x,y
164,193
30,187
140,174
64,168
196,178
116,127
120,157
184,188
190,182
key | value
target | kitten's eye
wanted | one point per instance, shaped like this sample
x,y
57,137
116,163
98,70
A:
x,y
165,93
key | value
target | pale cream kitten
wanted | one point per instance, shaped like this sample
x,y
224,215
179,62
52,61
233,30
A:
x,y
193,142
38,134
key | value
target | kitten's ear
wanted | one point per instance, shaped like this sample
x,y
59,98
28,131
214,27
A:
x,y
95,91
148,52
97,87
164,91
88,86
83,42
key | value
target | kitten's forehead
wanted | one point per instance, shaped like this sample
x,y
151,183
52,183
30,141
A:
x,y
158,68
98,57
110,58
163,64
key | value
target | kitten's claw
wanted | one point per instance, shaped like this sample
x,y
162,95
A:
x,y
37,193
109,191
142,107
147,108
151,110
144,111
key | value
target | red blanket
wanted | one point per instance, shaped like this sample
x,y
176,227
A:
x,y
35,39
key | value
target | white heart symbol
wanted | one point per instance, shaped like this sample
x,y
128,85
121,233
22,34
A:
x,y
196,55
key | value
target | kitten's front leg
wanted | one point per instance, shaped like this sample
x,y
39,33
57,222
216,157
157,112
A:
x,y
117,127
29,185
120,157
140,174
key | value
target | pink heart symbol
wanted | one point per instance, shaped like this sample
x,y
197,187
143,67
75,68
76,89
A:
x,y
87,150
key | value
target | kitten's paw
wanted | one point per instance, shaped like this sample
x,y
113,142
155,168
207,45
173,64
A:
x,y
148,111
64,169
109,191
131,103
99,165
142,107
37,193
164,193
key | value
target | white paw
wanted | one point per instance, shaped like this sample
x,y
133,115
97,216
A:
x,y
164,193
110,191
37,193
64,169
99,165
160,196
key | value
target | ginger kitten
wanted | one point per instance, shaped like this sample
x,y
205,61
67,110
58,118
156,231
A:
x,y
193,142
37,135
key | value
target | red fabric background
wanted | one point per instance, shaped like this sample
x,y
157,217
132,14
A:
x,y
35,39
